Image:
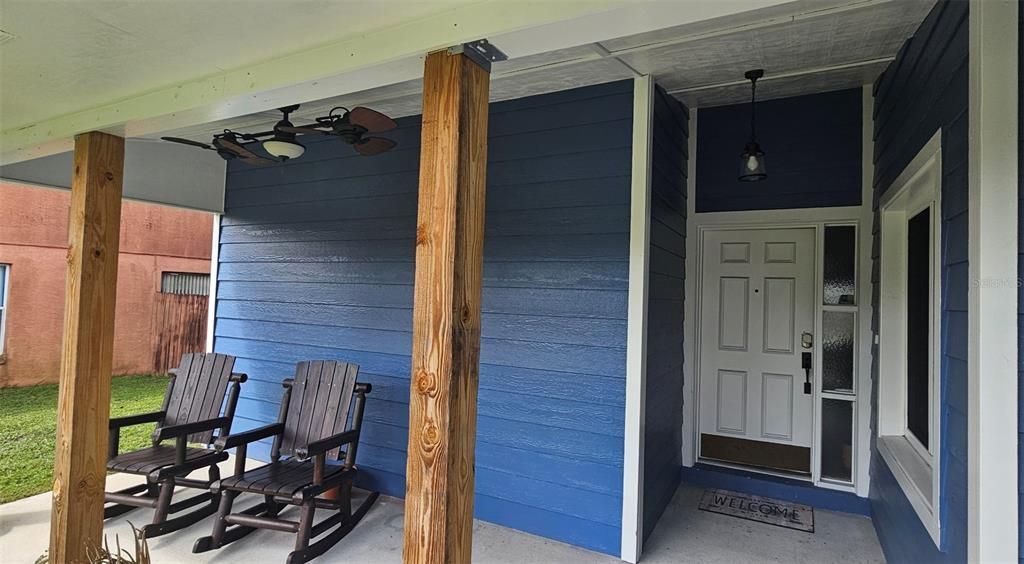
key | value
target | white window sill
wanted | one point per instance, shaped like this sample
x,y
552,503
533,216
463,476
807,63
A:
x,y
915,477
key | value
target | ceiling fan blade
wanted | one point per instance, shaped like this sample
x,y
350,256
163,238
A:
x,y
187,142
372,120
244,154
374,146
256,161
303,129
234,147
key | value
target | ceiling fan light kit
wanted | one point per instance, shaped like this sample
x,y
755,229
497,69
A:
x,y
283,148
283,144
351,126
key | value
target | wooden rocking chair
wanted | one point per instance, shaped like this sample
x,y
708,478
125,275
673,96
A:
x,y
190,412
311,425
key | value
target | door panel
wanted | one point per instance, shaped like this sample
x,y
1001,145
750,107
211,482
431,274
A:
x,y
732,402
757,297
777,406
733,313
779,315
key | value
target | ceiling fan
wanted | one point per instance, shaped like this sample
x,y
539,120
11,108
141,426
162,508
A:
x,y
352,126
229,146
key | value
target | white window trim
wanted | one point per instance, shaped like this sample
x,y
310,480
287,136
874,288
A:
x,y
5,293
916,469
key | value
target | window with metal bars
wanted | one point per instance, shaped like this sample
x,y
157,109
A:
x,y
185,283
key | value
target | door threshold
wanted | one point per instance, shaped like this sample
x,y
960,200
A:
x,y
756,470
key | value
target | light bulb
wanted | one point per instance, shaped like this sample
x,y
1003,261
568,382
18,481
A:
x,y
751,163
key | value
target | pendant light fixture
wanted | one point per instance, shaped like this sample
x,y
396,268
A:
x,y
752,162
283,144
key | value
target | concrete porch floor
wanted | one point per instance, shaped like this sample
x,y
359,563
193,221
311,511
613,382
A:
x,y
684,534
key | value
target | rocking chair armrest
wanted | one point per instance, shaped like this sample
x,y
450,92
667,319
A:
x,y
239,377
323,445
237,439
138,419
172,431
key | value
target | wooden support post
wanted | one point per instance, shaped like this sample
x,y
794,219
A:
x,y
446,311
83,412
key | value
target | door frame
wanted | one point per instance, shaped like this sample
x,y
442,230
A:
x,y
817,219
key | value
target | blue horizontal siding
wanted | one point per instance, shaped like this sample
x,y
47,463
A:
x,y
317,260
664,394
922,91
812,147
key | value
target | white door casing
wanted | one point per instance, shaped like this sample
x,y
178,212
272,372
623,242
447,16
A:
x,y
757,299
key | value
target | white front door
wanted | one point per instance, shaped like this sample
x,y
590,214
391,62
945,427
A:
x,y
756,304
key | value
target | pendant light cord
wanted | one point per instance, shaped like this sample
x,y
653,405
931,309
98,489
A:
x,y
753,108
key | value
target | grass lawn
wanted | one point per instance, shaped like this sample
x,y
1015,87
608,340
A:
x,y
28,428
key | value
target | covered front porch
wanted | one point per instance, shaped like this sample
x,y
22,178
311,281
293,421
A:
x,y
576,306
684,534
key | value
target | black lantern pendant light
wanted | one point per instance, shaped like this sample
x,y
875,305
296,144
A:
x,y
752,164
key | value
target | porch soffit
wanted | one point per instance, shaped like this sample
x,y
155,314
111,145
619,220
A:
x,y
198,65
807,46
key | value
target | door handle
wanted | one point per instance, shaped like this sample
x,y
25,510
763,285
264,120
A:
x,y
807,361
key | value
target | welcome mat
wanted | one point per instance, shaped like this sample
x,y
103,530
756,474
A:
x,y
761,509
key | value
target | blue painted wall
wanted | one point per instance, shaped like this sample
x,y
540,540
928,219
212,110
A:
x,y
664,401
812,144
923,90
316,261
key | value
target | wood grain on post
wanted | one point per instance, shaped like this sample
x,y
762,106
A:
x,y
83,412
446,311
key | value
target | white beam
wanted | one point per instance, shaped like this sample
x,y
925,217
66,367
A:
x,y
789,74
636,326
992,306
354,64
155,172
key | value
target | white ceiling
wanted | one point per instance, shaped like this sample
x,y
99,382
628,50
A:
x,y
103,51
805,47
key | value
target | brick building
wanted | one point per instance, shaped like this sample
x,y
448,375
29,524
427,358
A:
x,y
163,279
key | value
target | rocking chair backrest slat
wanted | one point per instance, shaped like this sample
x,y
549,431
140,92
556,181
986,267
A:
x,y
321,397
198,391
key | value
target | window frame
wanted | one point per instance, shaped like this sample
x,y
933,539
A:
x,y
171,274
916,468
4,298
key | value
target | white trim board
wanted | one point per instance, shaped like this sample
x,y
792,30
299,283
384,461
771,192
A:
x,y
992,525
154,172
865,336
636,327
211,312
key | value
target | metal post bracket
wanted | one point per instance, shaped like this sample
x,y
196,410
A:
x,y
481,51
